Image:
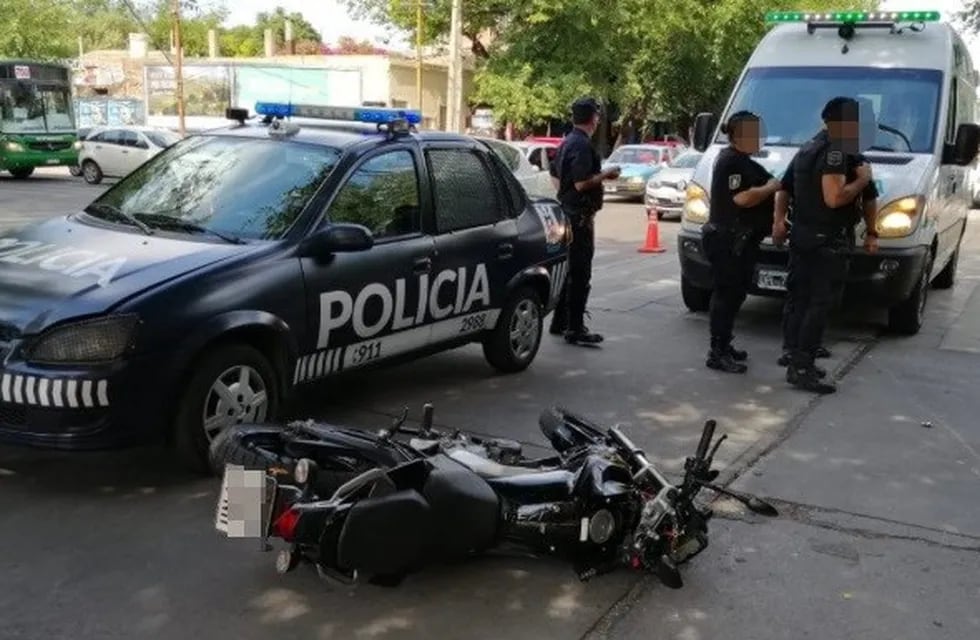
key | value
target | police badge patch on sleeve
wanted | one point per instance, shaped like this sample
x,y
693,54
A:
x,y
734,181
835,158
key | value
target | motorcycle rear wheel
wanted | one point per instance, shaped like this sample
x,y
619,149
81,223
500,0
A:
x,y
261,448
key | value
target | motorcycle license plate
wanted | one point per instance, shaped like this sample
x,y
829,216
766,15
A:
x,y
244,508
771,279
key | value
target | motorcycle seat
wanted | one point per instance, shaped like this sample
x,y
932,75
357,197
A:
x,y
486,468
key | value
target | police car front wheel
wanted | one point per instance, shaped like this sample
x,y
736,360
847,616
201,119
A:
x,y
231,384
514,342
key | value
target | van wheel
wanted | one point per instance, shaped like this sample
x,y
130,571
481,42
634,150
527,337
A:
x,y
232,384
695,298
91,172
947,277
514,342
907,318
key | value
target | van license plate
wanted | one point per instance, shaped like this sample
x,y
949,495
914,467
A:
x,y
771,279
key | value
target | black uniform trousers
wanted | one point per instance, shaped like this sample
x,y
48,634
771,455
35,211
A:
x,y
817,268
732,253
570,310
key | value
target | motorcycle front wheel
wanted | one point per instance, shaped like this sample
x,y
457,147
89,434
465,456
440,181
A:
x,y
263,448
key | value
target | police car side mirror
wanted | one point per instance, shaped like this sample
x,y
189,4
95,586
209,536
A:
x,y
337,238
964,150
704,126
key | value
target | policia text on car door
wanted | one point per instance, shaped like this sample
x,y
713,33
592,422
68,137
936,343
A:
x,y
741,216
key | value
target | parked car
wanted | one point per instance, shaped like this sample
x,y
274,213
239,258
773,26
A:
x,y
535,181
83,132
638,163
115,152
666,188
539,153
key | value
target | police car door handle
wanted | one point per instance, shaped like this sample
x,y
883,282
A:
x,y
422,265
505,250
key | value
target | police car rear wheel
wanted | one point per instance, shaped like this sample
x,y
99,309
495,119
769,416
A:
x,y
514,342
232,384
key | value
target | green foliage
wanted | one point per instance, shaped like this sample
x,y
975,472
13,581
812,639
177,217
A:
x,y
36,29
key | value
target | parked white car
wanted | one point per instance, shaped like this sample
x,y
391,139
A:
x,y
534,180
114,152
665,193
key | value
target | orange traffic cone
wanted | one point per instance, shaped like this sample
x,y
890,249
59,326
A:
x,y
653,235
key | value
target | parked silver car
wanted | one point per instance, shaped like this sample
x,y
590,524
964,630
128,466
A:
x,y
665,190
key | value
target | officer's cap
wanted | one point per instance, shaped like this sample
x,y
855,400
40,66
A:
x,y
584,108
840,109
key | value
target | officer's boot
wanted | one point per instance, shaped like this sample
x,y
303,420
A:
x,y
720,357
804,375
738,355
581,334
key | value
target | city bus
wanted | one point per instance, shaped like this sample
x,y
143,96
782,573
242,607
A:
x,y
37,120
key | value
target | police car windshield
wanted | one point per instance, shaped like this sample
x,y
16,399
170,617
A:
x,y
789,99
240,187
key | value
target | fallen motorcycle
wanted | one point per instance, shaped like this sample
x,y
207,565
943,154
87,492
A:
x,y
353,503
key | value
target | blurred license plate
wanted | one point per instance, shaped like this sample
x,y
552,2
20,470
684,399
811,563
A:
x,y
245,503
772,279
53,161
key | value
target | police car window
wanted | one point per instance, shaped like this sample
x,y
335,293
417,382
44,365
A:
x,y
507,153
465,192
789,99
383,195
243,187
508,187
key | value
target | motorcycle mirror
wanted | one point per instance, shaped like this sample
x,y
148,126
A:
x,y
757,505
666,571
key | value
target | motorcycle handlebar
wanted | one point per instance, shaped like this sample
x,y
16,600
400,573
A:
x,y
706,435
638,457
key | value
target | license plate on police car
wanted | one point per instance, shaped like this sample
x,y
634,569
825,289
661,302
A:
x,y
245,503
772,279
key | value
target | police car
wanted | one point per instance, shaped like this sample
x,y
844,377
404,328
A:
x,y
294,245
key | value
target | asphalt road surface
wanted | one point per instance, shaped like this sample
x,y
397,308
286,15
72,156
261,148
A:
x,y
879,534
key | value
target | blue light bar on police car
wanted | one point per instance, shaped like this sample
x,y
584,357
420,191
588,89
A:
x,y
376,115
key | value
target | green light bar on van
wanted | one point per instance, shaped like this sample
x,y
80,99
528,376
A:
x,y
855,17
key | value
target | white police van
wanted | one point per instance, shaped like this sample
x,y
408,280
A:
x,y
917,76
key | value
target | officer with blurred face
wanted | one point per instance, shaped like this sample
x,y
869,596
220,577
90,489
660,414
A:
x,y
742,194
825,198
578,171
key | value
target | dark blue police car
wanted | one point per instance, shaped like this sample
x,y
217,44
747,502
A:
x,y
198,291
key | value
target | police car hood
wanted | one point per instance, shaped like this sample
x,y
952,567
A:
x,y
63,268
896,174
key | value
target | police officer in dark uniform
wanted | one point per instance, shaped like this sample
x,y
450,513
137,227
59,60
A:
x,y
825,199
742,194
578,171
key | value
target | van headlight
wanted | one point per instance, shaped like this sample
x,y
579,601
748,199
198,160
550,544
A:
x,y
900,217
695,205
85,342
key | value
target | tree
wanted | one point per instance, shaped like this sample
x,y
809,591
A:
x,y
303,31
36,29
969,15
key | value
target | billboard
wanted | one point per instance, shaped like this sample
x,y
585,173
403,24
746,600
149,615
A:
x,y
207,89
298,85
99,112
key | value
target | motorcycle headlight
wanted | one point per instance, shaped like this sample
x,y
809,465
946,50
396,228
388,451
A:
x,y
695,205
85,342
900,217
13,146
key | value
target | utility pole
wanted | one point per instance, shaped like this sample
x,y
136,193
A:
x,y
180,67
418,54
455,89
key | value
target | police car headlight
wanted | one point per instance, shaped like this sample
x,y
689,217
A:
x,y
85,342
695,205
899,217
13,146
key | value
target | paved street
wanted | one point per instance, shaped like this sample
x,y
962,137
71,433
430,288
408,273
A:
x,y
879,535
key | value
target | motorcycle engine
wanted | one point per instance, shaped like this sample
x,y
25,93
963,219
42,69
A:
x,y
506,452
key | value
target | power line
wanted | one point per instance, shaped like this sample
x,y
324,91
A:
x,y
146,30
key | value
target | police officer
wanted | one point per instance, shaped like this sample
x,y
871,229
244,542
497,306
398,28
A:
x,y
825,198
577,169
742,194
